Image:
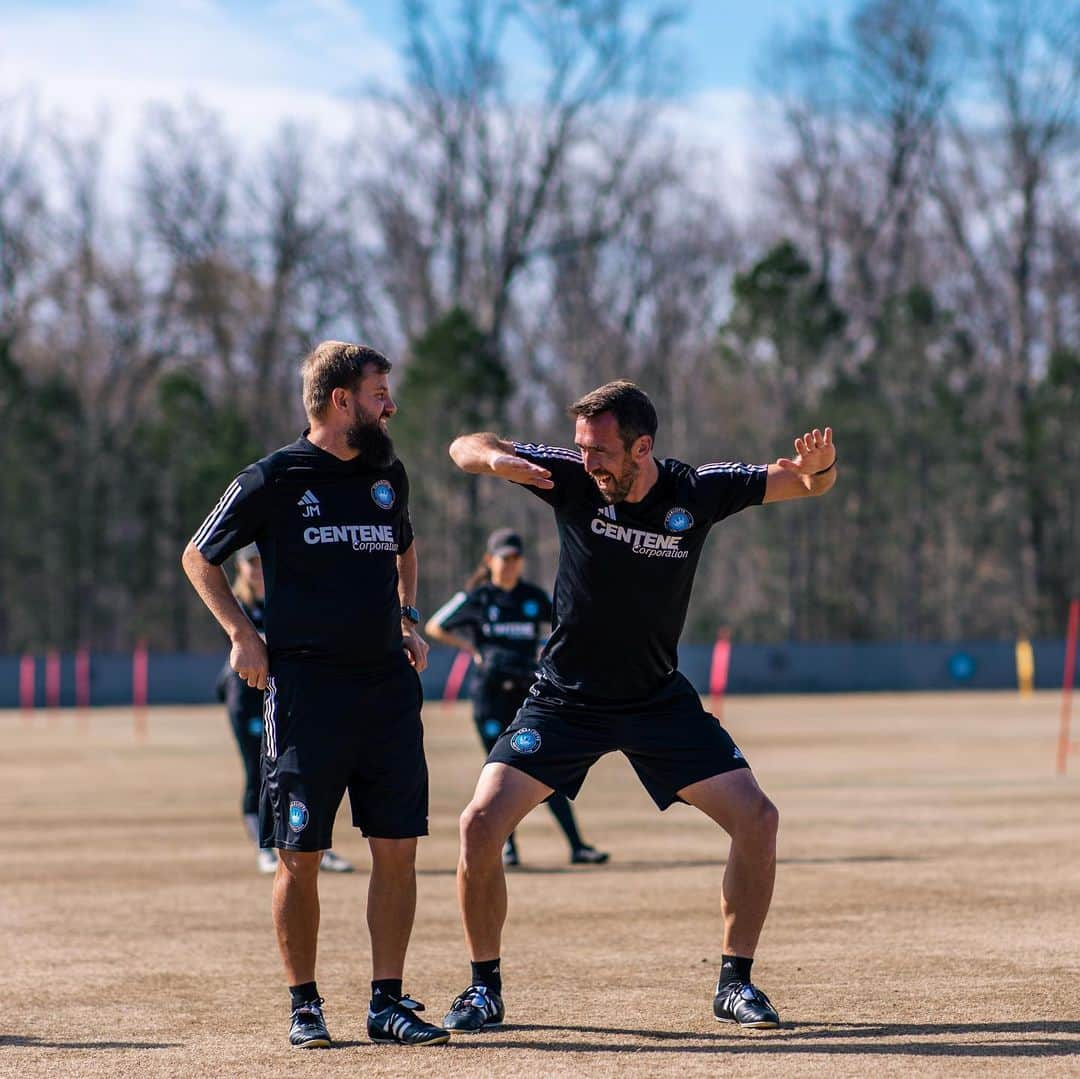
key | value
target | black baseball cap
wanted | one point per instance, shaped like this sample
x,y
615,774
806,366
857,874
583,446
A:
x,y
503,542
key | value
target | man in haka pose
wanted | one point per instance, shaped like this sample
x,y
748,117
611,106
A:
x,y
631,531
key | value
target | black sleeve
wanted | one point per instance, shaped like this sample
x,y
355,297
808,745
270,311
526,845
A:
x,y
406,520
725,487
459,612
237,518
565,466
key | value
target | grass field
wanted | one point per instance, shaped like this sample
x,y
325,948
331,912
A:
x,y
926,919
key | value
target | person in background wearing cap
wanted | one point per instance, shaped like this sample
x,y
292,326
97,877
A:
x,y
245,707
501,621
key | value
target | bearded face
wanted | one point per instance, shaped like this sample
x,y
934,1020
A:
x,y
367,435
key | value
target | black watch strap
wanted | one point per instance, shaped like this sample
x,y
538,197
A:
x,y
411,613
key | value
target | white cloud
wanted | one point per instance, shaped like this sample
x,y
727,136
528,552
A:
x,y
286,60
257,66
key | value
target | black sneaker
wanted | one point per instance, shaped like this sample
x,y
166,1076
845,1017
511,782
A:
x,y
398,1023
745,1004
510,855
307,1029
476,1008
589,856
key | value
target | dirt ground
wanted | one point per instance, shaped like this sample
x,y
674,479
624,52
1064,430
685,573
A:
x,y
926,918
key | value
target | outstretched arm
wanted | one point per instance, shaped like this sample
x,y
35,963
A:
x,y
811,472
487,454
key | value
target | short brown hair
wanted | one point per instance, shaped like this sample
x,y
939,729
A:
x,y
628,403
334,365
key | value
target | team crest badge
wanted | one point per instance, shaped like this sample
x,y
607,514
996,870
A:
x,y
678,520
526,740
298,816
531,608
383,494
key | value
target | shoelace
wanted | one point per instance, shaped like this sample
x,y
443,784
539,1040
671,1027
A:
x,y
310,1007
476,996
735,991
407,1003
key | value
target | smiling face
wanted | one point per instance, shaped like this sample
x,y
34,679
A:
x,y
612,466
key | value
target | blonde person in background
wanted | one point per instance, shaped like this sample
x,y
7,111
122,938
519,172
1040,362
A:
x,y
244,705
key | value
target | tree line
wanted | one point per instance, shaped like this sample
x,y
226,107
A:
x,y
904,266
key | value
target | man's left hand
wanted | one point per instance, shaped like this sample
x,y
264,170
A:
x,y
816,453
416,648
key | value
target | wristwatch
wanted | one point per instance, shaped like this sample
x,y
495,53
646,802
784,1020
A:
x,y
410,613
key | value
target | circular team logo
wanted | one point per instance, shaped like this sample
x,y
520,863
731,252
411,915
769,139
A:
x,y
383,494
678,520
531,608
526,740
298,816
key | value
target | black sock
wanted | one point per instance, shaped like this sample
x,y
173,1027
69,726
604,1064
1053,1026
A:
x,y
389,989
559,805
303,994
487,973
735,968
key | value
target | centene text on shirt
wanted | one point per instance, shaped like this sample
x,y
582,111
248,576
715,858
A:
x,y
362,537
650,544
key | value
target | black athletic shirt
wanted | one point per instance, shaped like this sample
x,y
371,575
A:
x,y
329,533
626,570
505,627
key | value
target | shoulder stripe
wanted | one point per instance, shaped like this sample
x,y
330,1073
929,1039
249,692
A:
x,y
454,603
214,517
538,449
729,467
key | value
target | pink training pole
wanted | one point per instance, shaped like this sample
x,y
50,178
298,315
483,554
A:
x,y
1067,686
718,670
82,685
26,685
140,686
458,669
82,678
52,679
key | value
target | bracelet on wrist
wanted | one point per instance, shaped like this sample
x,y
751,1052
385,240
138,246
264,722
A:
x,y
822,471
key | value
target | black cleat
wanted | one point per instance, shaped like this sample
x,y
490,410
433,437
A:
x,y
398,1023
589,856
745,1004
307,1030
476,1008
510,855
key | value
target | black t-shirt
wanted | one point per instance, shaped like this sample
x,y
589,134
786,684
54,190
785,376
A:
x,y
626,570
329,533
505,627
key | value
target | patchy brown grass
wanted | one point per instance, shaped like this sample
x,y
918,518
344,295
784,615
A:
x,y
926,919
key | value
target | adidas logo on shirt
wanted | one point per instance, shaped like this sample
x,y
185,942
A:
x,y
309,505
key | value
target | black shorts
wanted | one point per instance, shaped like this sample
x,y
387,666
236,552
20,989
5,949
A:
x,y
668,737
329,730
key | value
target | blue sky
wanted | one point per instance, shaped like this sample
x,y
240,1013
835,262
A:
x,y
99,63
312,45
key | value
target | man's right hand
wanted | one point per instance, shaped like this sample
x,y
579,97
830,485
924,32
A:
x,y
250,659
508,466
